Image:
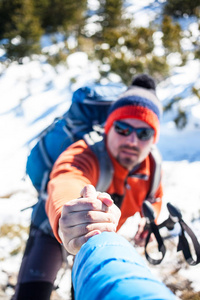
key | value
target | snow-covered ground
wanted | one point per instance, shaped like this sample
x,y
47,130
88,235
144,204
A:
x,y
29,105
33,94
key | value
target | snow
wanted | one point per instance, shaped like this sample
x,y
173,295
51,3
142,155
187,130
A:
x,y
34,93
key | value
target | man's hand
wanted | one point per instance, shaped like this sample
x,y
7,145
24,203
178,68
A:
x,y
141,234
85,217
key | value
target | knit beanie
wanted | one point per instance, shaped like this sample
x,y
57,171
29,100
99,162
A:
x,y
140,102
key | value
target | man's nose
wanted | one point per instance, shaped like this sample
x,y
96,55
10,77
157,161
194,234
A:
x,y
132,138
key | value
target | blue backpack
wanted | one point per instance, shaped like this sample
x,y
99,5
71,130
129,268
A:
x,y
83,120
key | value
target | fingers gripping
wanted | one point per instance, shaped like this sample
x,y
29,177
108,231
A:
x,y
89,192
85,217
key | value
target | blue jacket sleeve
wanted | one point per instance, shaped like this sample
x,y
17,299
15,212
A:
x,y
108,267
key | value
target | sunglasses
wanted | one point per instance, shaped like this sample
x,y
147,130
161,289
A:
x,y
143,134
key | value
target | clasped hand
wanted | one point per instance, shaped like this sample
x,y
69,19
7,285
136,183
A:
x,y
85,217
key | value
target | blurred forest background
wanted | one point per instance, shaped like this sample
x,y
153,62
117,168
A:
x,y
105,31
112,38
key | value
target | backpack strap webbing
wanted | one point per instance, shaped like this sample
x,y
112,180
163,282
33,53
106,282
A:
x,y
156,161
153,228
96,143
46,159
184,245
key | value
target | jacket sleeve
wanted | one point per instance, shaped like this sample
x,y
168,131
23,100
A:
x,y
76,167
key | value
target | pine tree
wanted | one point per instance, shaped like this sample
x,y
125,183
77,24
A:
x,y
180,7
139,40
111,21
20,27
61,15
171,35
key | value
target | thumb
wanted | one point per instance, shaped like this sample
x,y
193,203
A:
x,y
89,191
105,198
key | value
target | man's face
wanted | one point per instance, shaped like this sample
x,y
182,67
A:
x,y
129,150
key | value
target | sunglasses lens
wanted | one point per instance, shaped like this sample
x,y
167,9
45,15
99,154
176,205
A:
x,y
144,134
122,128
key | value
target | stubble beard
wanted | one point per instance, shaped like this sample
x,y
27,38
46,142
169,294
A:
x,y
128,162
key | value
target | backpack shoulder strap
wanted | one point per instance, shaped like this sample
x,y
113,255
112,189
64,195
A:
x,y
156,163
96,143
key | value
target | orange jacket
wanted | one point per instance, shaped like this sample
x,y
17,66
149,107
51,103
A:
x,y
77,166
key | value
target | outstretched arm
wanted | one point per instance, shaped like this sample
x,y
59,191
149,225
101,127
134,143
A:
x,y
108,267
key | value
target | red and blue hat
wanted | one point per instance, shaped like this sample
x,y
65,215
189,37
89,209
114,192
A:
x,y
137,103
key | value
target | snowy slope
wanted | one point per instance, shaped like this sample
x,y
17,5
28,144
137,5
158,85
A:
x,y
33,94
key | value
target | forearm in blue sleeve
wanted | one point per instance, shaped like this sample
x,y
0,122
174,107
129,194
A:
x,y
108,267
